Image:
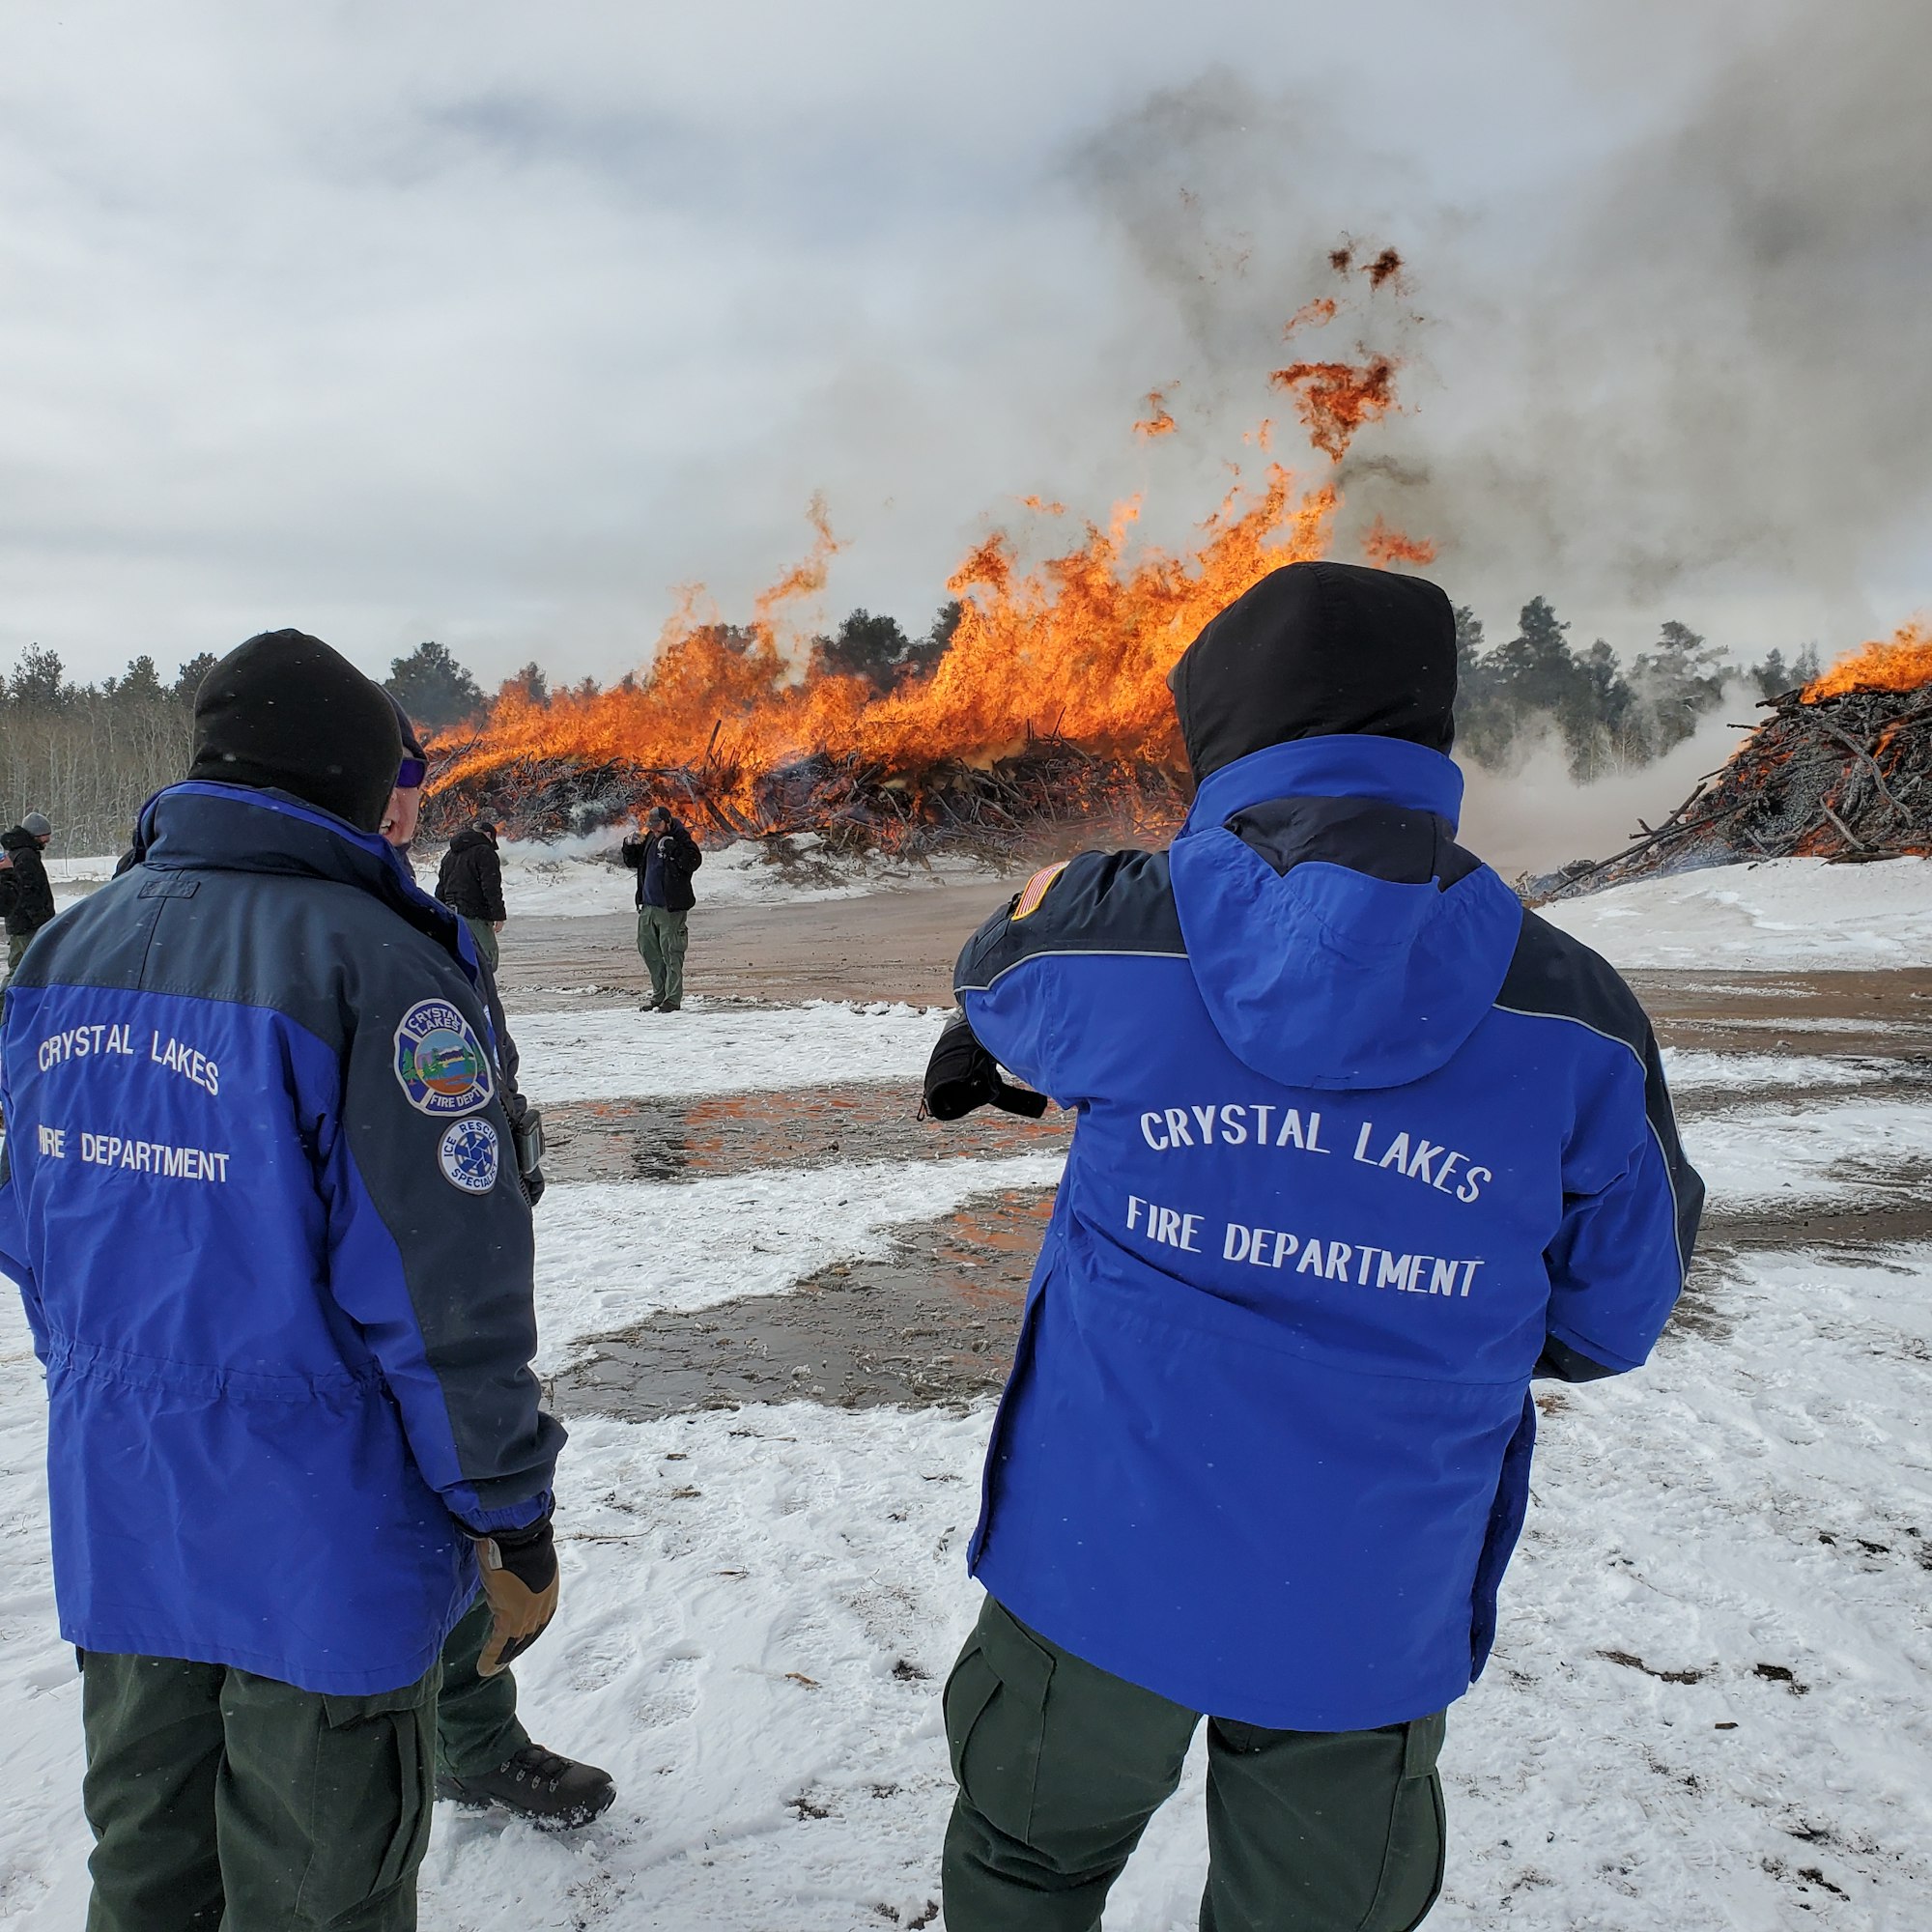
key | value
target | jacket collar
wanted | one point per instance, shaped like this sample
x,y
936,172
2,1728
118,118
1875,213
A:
x,y
201,826
1391,770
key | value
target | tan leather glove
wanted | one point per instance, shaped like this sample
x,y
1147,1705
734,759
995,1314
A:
x,y
520,1580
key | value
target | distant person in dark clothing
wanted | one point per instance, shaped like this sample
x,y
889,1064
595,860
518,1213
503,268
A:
x,y
26,895
663,857
470,882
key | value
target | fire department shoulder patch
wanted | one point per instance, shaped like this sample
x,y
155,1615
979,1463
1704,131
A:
x,y
440,1065
1028,902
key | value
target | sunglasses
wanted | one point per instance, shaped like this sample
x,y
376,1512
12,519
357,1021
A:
x,y
410,773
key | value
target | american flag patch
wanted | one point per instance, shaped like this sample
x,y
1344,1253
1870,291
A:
x,y
1028,902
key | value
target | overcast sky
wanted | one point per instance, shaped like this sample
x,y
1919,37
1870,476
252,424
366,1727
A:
x,y
494,323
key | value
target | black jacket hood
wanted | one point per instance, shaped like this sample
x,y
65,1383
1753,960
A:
x,y
1314,650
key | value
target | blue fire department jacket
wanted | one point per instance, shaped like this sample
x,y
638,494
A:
x,y
1358,1139
258,1194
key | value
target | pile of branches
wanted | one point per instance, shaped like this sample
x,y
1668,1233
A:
x,y
1847,779
1002,810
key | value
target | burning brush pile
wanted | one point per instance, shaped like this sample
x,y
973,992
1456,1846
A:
x,y
1841,770
1048,709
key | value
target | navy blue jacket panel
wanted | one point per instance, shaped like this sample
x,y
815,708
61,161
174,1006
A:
x,y
1356,1139
258,1194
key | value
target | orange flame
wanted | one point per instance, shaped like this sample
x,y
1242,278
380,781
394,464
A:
x,y
1386,546
1902,662
1158,421
1077,647
1336,398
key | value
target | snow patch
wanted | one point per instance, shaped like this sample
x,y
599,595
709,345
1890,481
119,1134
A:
x,y
1784,913
610,1255
612,1053
1850,1150
580,878
1689,1071
1705,1711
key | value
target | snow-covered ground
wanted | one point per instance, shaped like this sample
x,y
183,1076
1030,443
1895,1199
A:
x,y
606,1053
1710,1709
612,1254
1786,912
760,1605
73,879
1692,1071
574,877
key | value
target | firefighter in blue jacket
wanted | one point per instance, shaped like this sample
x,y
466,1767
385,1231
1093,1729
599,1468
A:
x,y
1361,1147
259,1193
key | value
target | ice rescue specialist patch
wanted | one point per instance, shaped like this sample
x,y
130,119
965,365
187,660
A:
x,y
440,1065
469,1156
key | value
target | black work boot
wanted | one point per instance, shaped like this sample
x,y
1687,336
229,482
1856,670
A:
x,y
556,1794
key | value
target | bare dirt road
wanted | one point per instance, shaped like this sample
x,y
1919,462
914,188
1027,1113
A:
x,y
934,1320
886,946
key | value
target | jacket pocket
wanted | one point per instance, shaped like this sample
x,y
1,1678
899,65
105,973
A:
x,y
995,1705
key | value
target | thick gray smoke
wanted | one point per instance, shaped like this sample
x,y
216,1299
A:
x,y
1695,368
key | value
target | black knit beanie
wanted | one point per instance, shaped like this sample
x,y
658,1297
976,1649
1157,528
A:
x,y
285,711
1313,649
412,739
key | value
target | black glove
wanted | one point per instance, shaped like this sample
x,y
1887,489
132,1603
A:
x,y
520,1580
962,1076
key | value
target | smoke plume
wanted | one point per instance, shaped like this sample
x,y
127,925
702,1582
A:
x,y
1697,366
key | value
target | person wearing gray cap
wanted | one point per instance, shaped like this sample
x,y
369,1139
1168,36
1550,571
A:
x,y
26,897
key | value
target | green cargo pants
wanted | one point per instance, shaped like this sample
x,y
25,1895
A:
x,y
16,949
1060,1765
218,1798
661,939
484,936
476,1724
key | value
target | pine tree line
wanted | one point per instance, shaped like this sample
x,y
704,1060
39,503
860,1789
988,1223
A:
x,y
1606,717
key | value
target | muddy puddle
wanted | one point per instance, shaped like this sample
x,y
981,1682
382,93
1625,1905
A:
x,y
735,1133
931,1322
739,1134
1887,1014
934,1320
